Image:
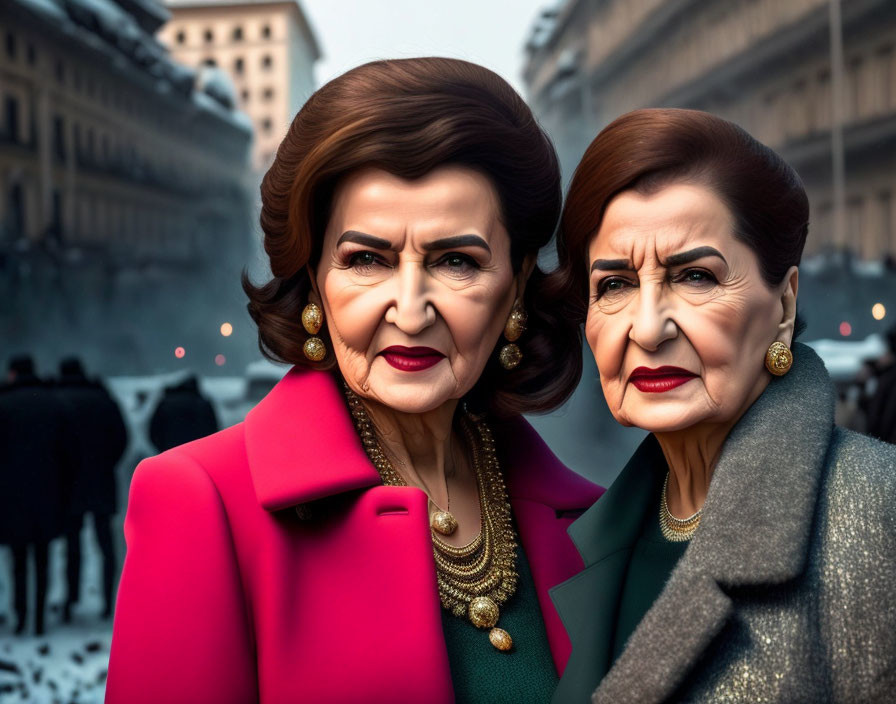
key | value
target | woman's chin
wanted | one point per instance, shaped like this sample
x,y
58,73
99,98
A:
x,y
411,395
658,419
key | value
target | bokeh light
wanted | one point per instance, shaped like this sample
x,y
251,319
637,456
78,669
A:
x,y
220,360
878,311
227,329
845,329
180,352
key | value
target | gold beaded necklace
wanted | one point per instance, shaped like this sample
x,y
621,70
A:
x,y
476,578
676,530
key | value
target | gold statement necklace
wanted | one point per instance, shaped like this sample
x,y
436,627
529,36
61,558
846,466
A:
x,y
473,579
675,529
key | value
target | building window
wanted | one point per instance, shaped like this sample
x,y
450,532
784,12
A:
x,y
266,31
59,138
12,118
181,37
268,94
266,61
60,71
266,125
238,66
11,45
209,61
209,36
237,34
31,55
244,94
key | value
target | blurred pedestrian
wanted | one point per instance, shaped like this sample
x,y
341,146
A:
x,y
33,461
99,438
182,415
882,406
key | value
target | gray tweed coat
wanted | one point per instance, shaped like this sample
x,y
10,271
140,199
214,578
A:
x,y
787,593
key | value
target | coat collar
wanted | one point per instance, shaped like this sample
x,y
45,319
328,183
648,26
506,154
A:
x,y
755,530
302,446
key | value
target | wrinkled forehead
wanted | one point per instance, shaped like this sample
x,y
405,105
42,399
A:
x,y
449,200
641,228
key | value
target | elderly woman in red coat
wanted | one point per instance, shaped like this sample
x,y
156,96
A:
x,y
384,527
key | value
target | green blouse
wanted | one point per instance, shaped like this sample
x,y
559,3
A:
x,y
525,674
652,560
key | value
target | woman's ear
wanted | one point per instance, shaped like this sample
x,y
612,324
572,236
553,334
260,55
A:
x,y
789,288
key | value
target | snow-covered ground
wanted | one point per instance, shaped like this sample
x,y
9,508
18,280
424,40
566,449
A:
x,y
68,664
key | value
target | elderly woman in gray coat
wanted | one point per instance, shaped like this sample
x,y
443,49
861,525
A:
x,y
747,552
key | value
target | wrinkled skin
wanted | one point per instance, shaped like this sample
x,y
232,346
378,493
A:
x,y
712,315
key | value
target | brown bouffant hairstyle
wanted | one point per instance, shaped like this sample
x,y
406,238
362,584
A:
x,y
408,117
649,149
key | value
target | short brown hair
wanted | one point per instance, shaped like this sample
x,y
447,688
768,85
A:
x,y
408,117
648,149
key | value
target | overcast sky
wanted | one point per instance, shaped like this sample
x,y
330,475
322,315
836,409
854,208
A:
x,y
488,32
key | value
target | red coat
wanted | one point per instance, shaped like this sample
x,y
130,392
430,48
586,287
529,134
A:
x,y
228,596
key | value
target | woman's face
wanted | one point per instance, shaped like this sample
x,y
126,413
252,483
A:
x,y
679,317
416,284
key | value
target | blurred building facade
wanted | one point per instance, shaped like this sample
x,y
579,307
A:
x,y
268,49
120,180
765,64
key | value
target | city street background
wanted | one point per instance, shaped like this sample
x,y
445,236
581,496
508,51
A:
x,y
134,135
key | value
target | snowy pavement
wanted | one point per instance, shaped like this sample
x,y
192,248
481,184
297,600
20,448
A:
x,y
68,664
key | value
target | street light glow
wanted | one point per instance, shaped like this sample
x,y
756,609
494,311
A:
x,y
845,329
878,311
227,329
180,352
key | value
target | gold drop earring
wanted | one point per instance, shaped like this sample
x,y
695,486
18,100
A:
x,y
510,355
312,319
778,358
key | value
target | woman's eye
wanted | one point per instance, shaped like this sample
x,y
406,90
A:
x,y
457,263
612,285
697,277
362,260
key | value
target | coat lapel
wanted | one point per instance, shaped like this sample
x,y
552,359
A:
x,y
304,423
605,536
755,532
545,497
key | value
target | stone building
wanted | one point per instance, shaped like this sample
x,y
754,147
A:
x,y
764,64
267,47
123,187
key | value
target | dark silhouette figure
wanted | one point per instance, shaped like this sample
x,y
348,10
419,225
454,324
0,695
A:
x,y
882,405
34,458
182,415
99,437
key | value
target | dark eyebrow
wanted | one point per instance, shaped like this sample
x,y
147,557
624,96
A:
x,y
365,239
457,241
611,265
692,255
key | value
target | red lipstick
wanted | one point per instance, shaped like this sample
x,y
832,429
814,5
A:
x,y
412,359
659,380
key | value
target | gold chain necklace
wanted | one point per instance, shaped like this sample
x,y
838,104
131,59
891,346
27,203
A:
x,y
476,578
676,530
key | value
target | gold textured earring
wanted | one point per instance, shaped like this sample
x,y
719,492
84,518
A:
x,y
778,359
510,355
312,319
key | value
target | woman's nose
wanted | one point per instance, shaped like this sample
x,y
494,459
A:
x,y
411,309
653,321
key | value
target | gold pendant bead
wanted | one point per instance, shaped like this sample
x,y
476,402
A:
x,y
501,639
314,349
483,612
510,356
443,522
